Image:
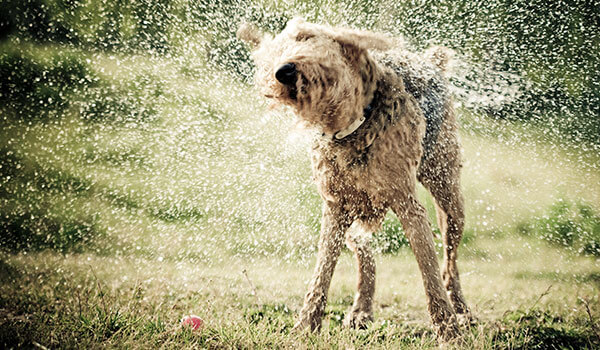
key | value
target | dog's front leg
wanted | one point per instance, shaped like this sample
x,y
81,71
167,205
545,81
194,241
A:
x,y
334,224
361,312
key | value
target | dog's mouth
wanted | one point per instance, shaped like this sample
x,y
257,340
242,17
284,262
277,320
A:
x,y
291,93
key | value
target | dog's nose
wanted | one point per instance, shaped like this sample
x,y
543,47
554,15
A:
x,y
286,74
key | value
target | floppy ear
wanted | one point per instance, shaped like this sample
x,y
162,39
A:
x,y
362,39
250,34
301,30
295,22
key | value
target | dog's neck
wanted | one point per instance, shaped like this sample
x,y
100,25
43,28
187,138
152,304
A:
x,y
356,124
370,73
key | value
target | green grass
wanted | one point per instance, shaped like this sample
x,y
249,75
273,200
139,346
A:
x,y
85,300
155,190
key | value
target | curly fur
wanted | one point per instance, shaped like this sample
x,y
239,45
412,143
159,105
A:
x,y
409,134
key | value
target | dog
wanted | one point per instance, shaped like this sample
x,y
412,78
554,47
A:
x,y
385,119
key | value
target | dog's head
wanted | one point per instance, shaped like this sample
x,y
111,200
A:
x,y
324,73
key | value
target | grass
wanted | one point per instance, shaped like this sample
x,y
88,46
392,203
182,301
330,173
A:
x,y
183,186
86,300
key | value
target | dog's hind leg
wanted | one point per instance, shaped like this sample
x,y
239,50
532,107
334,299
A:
x,y
334,224
413,217
440,174
361,313
450,216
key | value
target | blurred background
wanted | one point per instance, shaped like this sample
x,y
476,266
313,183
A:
x,y
134,147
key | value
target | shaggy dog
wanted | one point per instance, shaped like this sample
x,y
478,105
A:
x,y
385,120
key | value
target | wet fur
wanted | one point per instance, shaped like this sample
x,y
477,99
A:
x,y
410,135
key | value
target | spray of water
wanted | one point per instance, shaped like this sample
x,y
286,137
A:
x,y
133,130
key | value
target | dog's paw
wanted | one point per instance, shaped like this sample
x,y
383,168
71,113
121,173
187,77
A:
x,y
306,323
466,320
357,319
448,331
299,328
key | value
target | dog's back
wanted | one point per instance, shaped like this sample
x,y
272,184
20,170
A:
x,y
426,83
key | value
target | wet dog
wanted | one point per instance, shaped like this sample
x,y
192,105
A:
x,y
385,121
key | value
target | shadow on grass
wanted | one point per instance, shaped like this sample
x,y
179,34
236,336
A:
x,y
537,329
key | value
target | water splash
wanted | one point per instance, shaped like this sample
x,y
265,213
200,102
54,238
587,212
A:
x,y
137,128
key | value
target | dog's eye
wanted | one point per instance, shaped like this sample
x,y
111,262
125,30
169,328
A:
x,y
304,36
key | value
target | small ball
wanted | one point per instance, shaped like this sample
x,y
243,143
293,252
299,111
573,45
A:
x,y
194,322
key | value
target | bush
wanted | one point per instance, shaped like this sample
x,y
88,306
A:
x,y
39,86
105,25
528,59
33,19
219,22
391,238
575,226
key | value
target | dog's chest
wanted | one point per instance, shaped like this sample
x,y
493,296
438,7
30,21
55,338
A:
x,y
346,175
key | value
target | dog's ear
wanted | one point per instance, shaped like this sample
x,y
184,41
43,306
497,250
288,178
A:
x,y
250,34
295,22
362,39
301,30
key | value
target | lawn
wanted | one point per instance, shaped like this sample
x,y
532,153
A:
x,y
167,187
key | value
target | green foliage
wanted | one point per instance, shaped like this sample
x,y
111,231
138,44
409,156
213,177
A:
x,y
231,55
391,238
546,53
124,25
32,18
219,21
39,230
37,86
269,313
575,226
553,47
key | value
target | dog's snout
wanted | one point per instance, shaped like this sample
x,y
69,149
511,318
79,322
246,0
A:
x,y
286,74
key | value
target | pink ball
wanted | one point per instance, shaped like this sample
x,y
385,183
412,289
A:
x,y
194,322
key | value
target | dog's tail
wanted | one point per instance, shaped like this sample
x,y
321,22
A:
x,y
440,56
